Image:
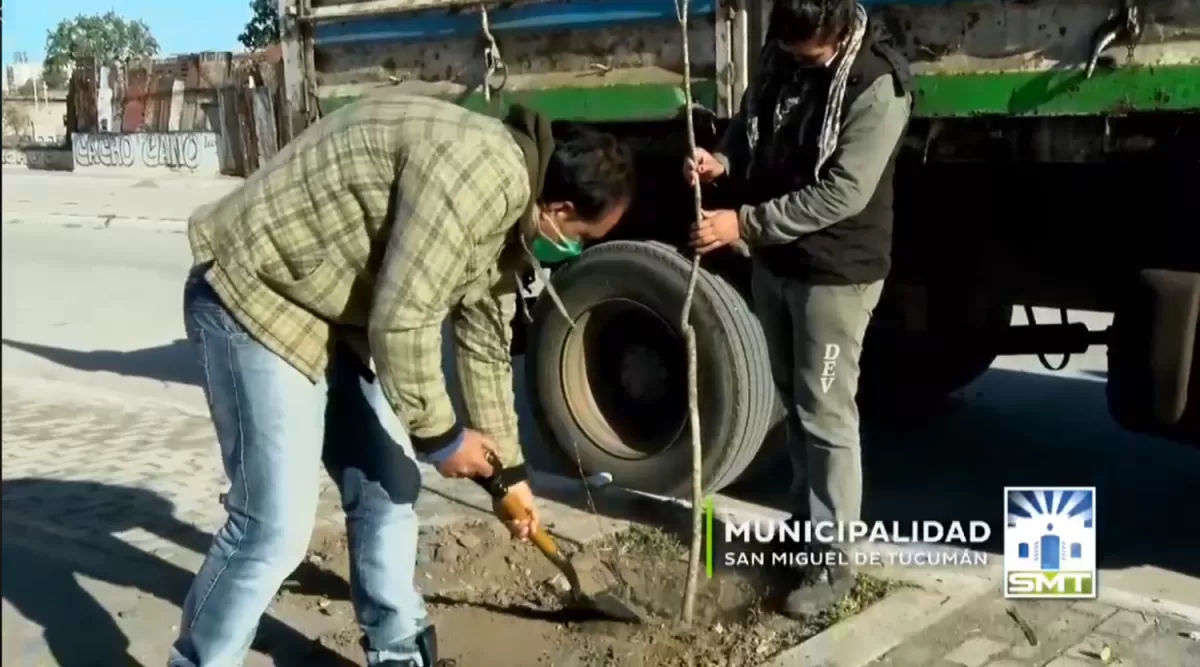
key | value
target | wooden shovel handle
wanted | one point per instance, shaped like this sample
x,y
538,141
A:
x,y
539,537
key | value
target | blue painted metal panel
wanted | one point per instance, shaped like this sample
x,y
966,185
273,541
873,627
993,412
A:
x,y
554,16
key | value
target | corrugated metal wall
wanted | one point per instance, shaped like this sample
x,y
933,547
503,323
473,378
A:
x,y
235,97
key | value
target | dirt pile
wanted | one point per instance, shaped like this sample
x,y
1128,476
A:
x,y
498,603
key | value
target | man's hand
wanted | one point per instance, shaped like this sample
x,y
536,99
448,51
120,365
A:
x,y
519,497
471,459
716,229
702,166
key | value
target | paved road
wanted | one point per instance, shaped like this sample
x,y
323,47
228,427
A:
x,y
32,195
98,312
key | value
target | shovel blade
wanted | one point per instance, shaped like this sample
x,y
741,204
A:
x,y
615,608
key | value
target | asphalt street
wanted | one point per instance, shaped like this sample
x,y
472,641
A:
x,y
87,311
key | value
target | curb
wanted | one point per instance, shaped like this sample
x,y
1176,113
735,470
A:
x,y
1150,605
98,222
873,632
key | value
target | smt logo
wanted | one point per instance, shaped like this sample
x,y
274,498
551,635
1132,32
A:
x,y
1050,542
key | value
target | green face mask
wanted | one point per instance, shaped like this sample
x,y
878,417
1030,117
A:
x,y
553,252
550,252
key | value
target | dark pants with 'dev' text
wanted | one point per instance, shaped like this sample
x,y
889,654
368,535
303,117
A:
x,y
814,337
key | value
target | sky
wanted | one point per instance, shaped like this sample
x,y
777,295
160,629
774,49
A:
x,y
179,27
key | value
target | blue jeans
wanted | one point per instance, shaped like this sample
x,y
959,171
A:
x,y
276,428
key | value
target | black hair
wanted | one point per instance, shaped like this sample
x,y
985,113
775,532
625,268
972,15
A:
x,y
593,170
794,21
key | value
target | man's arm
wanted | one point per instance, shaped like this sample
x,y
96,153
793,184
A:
x,y
483,339
873,126
442,191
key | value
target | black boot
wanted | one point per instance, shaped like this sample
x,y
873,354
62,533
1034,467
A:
x,y
825,583
426,646
780,547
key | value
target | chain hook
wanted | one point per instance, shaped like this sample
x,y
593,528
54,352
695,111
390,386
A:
x,y
1124,24
492,61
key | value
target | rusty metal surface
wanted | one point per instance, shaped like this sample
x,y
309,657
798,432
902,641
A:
x,y
330,9
246,128
234,97
959,38
137,91
82,112
1012,36
650,54
233,151
265,131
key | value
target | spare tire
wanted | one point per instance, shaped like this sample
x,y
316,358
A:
x,y
610,395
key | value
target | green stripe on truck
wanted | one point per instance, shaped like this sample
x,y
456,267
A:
x,y
1060,92
623,102
1050,93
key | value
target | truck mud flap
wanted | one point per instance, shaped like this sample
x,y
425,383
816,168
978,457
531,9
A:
x,y
1153,374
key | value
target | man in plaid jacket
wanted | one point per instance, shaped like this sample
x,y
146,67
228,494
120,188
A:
x,y
351,248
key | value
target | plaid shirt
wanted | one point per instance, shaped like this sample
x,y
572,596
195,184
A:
x,y
306,251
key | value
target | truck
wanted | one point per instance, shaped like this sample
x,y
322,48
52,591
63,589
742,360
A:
x,y
1052,160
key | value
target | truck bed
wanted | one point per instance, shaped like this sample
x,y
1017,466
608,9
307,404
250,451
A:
x,y
605,60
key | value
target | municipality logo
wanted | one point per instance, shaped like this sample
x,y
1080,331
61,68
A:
x,y
1050,542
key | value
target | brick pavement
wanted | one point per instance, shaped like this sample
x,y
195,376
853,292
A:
x,y
1068,634
95,469
144,474
92,470
107,510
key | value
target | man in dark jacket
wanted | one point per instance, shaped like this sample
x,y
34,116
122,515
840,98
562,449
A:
x,y
813,148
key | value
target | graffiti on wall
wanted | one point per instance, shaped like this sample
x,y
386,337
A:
x,y
179,151
55,159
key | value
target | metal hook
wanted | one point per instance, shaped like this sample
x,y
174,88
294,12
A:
x,y
1125,24
492,61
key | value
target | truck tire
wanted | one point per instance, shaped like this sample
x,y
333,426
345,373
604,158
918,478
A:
x,y
1154,356
610,395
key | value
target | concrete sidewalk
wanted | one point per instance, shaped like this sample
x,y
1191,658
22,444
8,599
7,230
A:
x,y
994,632
85,200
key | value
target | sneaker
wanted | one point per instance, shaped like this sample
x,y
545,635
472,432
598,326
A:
x,y
821,588
428,647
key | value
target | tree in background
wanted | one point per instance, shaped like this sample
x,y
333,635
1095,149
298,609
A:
x,y
55,79
16,121
263,28
108,38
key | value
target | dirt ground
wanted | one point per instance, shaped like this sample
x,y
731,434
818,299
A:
x,y
499,603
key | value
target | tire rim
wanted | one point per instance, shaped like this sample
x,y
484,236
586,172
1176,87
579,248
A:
x,y
624,378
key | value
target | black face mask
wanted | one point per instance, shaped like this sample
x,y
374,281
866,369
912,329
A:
x,y
803,63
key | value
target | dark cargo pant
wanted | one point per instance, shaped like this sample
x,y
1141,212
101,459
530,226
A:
x,y
814,336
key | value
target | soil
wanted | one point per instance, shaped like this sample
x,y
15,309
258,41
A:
x,y
499,603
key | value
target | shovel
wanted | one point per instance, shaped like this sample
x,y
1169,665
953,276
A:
x,y
587,591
